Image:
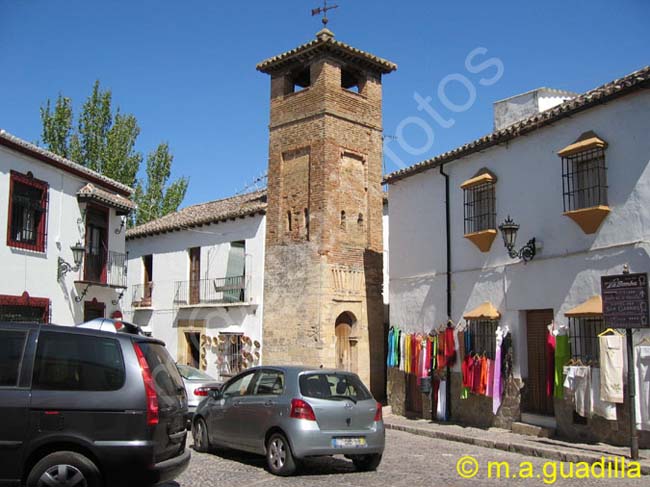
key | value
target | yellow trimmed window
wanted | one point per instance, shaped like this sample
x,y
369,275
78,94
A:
x,y
584,181
479,202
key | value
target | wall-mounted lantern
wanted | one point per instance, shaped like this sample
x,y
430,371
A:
x,y
509,233
63,268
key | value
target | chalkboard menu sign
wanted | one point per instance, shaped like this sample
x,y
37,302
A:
x,y
625,300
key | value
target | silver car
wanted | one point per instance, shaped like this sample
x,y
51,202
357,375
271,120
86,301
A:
x,y
291,413
197,385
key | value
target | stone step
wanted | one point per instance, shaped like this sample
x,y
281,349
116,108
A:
x,y
533,430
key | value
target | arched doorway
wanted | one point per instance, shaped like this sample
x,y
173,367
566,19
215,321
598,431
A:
x,y
346,342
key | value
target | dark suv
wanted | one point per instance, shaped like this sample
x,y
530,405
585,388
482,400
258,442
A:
x,y
89,408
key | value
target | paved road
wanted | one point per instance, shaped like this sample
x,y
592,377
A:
x,y
409,461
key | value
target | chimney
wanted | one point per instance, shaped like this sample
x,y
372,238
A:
x,y
519,107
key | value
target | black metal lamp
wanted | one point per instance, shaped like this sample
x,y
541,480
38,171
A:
x,y
63,268
509,231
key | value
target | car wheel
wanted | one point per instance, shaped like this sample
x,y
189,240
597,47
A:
x,y
367,463
279,458
65,468
200,435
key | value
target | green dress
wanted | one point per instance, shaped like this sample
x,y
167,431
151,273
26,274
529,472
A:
x,y
562,356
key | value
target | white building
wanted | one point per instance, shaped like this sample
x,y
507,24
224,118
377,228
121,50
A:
x,y
576,178
196,280
49,204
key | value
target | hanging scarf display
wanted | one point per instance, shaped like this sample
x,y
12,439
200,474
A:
x,y
411,353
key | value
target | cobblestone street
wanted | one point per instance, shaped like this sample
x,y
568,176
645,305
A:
x,y
409,460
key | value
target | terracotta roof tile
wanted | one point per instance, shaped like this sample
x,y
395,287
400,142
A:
x,y
93,193
634,81
23,146
325,42
203,214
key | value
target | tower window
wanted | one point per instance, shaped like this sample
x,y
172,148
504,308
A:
x,y
288,221
352,81
360,220
343,220
298,81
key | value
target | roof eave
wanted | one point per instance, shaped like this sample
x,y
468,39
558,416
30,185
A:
x,y
134,234
571,107
298,55
44,157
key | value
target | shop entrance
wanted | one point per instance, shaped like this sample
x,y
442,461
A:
x,y
534,397
193,354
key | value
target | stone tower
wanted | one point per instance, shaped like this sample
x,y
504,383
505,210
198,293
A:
x,y
323,262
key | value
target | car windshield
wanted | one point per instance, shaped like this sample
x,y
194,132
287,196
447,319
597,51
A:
x,y
190,373
333,386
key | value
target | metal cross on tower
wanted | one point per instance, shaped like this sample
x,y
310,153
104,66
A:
x,y
323,10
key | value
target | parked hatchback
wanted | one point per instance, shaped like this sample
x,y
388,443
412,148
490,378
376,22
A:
x,y
197,386
291,413
81,407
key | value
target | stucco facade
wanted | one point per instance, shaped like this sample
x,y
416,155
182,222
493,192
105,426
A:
x,y
33,273
177,319
569,263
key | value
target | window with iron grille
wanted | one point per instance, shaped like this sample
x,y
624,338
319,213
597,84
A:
x,y
482,337
230,351
584,179
583,337
27,222
24,309
480,207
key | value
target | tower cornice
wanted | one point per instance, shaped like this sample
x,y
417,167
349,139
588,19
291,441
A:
x,y
325,43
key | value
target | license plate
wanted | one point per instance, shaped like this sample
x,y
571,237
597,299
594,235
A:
x,y
349,442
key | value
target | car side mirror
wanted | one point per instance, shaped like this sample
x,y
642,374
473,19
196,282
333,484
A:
x,y
215,394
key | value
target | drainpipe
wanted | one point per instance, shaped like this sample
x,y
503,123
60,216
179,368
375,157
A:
x,y
448,239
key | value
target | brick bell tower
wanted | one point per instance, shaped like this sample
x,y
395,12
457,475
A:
x,y
323,264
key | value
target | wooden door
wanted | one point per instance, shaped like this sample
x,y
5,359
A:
x,y
94,309
343,352
147,261
193,352
534,398
413,395
195,275
96,246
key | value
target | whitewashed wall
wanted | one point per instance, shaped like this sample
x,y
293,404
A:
x,y
171,264
35,272
384,221
529,188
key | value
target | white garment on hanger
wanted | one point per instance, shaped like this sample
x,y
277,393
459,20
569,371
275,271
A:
x,y
642,381
611,368
441,410
604,409
578,385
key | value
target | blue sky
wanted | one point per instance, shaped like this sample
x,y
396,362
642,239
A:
x,y
186,69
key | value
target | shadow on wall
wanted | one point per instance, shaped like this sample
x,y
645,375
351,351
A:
x,y
374,275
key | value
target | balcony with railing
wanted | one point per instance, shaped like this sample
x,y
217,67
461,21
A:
x,y
141,295
104,269
222,291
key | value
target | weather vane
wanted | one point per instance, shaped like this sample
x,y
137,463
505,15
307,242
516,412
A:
x,y
323,10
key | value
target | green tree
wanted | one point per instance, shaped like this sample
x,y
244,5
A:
x,y
155,197
57,126
104,141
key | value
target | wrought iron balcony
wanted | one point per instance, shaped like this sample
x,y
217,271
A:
x,y
215,291
105,268
141,295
